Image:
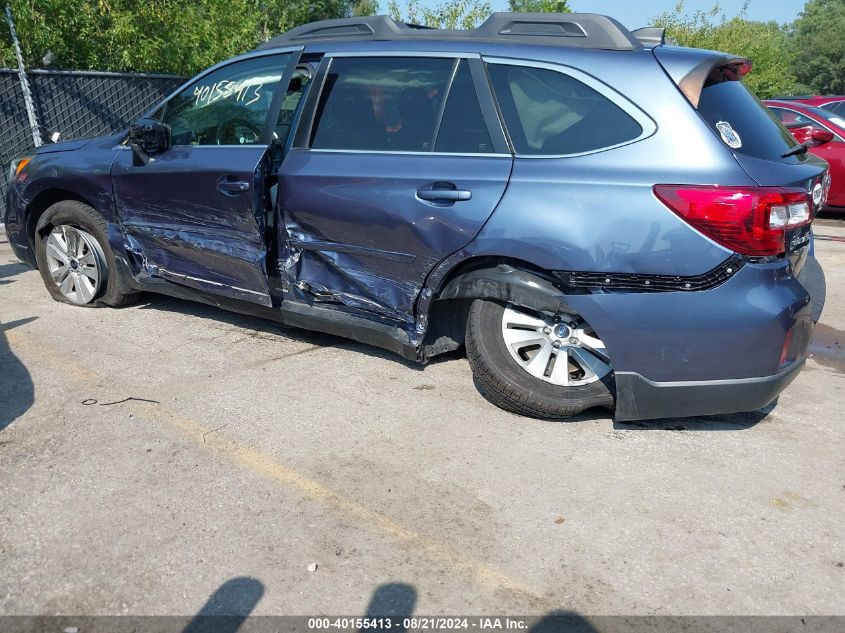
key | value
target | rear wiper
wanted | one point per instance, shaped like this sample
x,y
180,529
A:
x,y
798,149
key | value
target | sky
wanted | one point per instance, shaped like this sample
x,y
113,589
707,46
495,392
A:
x,y
634,14
637,13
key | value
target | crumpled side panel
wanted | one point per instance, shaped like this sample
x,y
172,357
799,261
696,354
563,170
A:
x,y
315,275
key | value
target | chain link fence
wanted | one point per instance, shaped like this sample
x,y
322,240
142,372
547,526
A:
x,y
76,104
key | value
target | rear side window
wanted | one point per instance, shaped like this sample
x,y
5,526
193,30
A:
x,y
381,104
742,122
550,113
462,128
296,88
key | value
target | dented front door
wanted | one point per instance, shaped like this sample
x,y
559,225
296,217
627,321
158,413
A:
x,y
195,214
190,217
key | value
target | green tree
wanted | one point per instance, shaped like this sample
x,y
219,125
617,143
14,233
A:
x,y
767,44
156,35
539,6
450,14
465,14
820,46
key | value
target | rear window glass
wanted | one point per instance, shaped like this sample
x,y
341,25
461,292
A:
x,y
549,112
742,122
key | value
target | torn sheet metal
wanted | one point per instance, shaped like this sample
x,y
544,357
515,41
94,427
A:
x,y
355,231
313,275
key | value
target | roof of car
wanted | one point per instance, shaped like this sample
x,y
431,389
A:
x,y
789,103
577,30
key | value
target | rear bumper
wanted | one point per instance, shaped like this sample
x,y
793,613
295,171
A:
x,y
638,398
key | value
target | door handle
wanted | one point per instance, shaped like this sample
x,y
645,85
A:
x,y
230,186
443,192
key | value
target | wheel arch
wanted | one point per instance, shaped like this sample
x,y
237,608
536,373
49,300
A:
x,y
43,201
505,279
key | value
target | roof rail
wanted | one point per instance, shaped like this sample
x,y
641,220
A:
x,y
582,30
588,30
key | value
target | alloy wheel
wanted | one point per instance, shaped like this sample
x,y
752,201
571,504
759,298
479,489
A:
x,y
563,351
75,263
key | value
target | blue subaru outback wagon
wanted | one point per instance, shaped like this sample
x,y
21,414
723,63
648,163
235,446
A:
x,y
598,218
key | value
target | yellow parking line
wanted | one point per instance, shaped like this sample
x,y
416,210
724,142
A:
x,y
266,466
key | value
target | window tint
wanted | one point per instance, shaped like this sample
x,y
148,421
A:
x,y
548,112
376,103
462,128
741,121
228,106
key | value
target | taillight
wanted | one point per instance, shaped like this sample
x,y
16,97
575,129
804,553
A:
x,y
747,220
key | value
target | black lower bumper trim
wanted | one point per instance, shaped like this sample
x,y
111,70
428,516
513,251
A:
x,y
638,398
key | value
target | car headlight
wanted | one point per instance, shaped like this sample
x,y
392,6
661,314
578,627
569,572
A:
x,y
17,165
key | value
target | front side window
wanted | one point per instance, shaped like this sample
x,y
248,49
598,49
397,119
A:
x,y
228,106
835,117
835,106
792,119
381,104
550,113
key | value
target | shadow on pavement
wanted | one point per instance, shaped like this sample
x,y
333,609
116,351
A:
x,y
11,270
228,607
395,600
562,622
727,422
17,392
258,327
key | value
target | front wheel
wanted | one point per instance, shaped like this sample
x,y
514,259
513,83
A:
x,y
535,365
75,259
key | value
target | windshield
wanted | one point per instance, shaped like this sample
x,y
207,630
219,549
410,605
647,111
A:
x,y
742,122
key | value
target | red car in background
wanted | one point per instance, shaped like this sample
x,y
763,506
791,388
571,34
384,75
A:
x,y
832,103
824,132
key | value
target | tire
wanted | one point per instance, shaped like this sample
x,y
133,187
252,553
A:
x,y
75,235
509,385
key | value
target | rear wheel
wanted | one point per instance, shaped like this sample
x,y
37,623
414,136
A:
x,y
74,257
537,365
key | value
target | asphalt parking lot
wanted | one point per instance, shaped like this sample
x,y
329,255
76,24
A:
x,y
248,450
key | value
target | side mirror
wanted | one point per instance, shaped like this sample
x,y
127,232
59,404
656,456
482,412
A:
x,y
821,136
801,134
148,136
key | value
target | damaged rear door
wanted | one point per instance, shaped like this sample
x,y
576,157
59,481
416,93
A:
x,y
400,165
195,214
